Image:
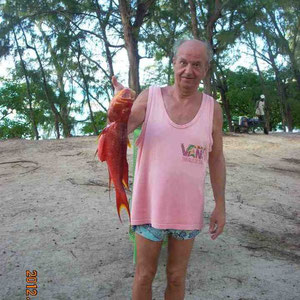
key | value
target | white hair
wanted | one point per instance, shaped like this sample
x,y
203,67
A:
x,y
209,52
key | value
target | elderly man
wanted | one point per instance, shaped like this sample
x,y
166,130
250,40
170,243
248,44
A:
x,y
181,134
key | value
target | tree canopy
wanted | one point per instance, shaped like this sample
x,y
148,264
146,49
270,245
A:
x,y
65,53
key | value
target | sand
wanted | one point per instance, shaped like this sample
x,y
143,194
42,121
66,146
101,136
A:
x,y
56,218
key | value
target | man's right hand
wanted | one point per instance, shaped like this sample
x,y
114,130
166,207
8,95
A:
x,y
118,86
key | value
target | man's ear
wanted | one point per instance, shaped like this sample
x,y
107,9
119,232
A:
x,y
206,68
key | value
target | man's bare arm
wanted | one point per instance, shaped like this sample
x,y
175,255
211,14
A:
x,y
138,111
217,173
216,158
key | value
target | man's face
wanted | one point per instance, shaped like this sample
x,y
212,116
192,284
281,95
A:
x,y
190,65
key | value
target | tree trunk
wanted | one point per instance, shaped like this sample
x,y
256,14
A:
x,y
131,46
207,82
48,96
227,109
295,69
134,62
60,70
170,68
287,117
31,111
264,89
194,24
64,105
286,45
131,34
86,86
103,24
222,85
213,14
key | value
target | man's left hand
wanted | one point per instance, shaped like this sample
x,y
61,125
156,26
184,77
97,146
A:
x,y
217,222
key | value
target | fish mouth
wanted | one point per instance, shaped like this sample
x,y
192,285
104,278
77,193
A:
x,y
127,94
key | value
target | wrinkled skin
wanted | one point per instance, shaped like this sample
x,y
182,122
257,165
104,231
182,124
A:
x,y
112,146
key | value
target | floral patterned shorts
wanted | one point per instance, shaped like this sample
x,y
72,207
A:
x,y
158,235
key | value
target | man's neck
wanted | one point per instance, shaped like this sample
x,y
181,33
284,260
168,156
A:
x,y
182,94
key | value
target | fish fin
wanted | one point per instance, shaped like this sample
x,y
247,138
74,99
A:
x,y
125,175
101,148
125,185
128,143
109,181
109,186
98,137
122,202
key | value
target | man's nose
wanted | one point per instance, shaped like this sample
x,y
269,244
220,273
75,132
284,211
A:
x,y
188,69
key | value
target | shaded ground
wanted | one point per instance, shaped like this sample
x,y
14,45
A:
x,y
57,218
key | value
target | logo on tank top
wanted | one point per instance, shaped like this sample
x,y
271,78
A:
x,y
193,153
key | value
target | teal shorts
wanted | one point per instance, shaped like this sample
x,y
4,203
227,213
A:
x,y
158,235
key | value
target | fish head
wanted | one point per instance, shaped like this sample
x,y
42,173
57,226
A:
x,y
127,94
120,106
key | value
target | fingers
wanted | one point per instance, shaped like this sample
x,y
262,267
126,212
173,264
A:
x,y
118,86
214,229
212,225
216,233
114,81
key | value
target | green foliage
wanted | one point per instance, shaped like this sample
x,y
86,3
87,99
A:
x,y
243,92
14,129
100,119
156,74
73,40
294,102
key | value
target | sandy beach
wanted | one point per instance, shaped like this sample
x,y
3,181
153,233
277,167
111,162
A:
x,y
57,218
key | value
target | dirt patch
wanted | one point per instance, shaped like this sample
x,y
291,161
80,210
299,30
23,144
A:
x,y
58,217
292,160
269,245
285,171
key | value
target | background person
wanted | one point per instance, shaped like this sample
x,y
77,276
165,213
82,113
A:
x,y
260,108
260,112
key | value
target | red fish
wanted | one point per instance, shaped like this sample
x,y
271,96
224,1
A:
x,y
112,146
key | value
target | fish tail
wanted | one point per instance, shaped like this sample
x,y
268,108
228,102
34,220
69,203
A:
x,y
122,202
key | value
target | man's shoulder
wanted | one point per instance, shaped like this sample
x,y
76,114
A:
x,y
165,90
211,100
143,95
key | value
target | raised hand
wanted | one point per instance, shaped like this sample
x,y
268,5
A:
x,y
117,85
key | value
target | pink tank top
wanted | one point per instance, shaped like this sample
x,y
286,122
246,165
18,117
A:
x,y
170,171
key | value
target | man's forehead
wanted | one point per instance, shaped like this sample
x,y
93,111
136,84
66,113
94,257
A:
x,y
191,58
194,44
192,49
